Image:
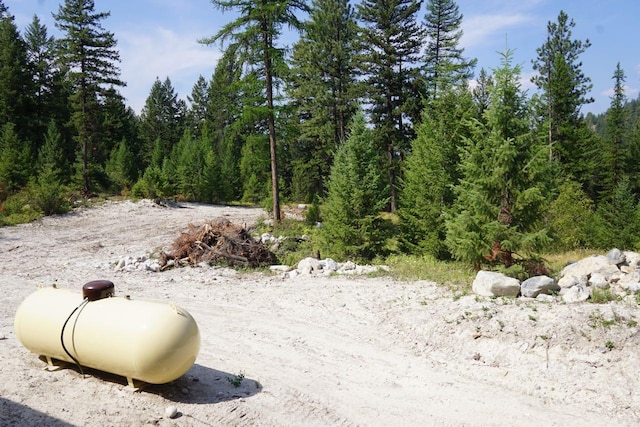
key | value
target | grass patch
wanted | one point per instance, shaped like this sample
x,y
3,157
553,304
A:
x,y
558,261
602,296
455,275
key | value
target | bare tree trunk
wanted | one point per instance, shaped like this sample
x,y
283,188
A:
x,y
272,128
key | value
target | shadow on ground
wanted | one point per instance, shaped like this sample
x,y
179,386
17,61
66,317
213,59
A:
x,y
200,385
16,414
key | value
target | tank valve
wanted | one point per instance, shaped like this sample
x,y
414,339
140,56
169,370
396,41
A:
x,y
98,289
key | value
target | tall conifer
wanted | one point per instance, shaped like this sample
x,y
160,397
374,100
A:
x,y
89,52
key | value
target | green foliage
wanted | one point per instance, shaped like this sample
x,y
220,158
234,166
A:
x,y
392,41
18,209
570,217
152,184
501,195
431,170
90,55
121,166
444,64
565,89
254,169
352,226
14,161
322,87
162,119
456,275
617,222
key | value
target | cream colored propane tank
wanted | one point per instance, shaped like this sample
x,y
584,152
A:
x,y
142,340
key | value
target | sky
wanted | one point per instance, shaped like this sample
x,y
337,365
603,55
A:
x,y
159,39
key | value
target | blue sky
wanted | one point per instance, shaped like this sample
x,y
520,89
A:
x,y
158,38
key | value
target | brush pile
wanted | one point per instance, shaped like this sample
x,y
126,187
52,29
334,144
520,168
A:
x,y
216,242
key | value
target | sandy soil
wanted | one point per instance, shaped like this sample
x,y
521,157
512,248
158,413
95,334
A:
x,y
314,351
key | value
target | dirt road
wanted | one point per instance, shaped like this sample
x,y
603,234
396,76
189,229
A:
x,y
313,351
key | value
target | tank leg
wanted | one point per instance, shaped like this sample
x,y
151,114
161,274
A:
x,y
50,366
132,386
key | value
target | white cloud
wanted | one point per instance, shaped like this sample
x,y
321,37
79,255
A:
x,y
630,92
159,52
479,29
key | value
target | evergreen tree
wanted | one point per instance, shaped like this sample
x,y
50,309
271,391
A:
x,y
224,111
614,157
48,190
162,118
198,103
570,218
15,81
392,40
431,171
120,167
564,87
323,89
616,223
15,161
444,63
501,195
90,55
352,226
481,93
49,99
255,33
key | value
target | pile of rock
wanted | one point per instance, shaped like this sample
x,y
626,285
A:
x,y
327,266
618,271
140,263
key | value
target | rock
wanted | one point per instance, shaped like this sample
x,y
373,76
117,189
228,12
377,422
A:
x,y
537,285
347,266
616,257
588,266
492,284
577,293
545,298
633,259
171,411
330,265
585,266
570,281
598,280
309,266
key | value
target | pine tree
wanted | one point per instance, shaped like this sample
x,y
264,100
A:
x,y
392,40
255,33
120,167
616,223
614,153
15,161
224,111
47,190
15,81
431,171
90,54
198,103
502,193
162,118
352,227
481,93
564,87
444,63
323,90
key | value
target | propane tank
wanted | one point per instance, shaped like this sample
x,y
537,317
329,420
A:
x,y
140,340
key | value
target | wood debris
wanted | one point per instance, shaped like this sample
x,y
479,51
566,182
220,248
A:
x,y
216,242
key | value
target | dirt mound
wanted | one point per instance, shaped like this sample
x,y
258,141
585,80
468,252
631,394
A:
x,y
216,242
